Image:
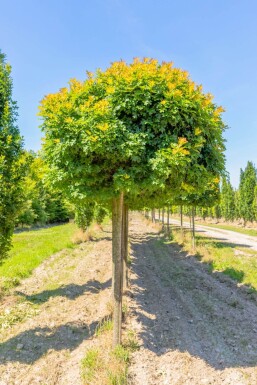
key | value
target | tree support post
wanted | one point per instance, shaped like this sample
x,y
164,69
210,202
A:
x,y
181,221
117,262
125,228
193,228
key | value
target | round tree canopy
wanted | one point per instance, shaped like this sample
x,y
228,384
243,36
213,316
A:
x,y
143,128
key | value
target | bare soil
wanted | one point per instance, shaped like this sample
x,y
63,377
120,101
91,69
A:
x,y
71,291
194,327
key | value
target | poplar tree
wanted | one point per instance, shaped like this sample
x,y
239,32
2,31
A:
x,y
248,181
227,203
255,203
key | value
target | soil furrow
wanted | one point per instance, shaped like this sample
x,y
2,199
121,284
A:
x,y
194,326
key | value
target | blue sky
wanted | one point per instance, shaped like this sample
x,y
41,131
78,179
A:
x,y
48,42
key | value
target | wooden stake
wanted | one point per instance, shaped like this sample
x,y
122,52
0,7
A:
x,y
117,263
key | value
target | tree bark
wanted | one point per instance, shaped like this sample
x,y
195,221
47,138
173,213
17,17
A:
x,y
117,264
168,217
159,215
163,216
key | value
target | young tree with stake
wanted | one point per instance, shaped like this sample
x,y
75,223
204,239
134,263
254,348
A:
x,y
129,134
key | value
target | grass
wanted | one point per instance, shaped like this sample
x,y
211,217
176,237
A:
x,y
103,326
30,248
237,262
104,365
19,313
90,364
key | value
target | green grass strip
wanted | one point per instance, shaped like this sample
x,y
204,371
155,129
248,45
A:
x,y
30,248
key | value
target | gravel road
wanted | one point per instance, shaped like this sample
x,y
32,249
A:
x,y
226,236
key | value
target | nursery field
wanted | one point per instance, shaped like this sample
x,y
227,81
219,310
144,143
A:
x,y
184,322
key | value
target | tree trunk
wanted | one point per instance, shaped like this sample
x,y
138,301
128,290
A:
x,y
125,246
117,264
163,216
159,215
168,217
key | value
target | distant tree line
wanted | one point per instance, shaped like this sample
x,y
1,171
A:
x,y
234,204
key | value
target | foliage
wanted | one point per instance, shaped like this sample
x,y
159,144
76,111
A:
x,y
142,131
234,204
227,204
84,215
11,160
41,204
248,182
137,128
255,203
100,214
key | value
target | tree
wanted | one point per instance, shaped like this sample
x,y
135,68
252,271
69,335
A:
x,y
131,134
41,203
84,215
227,204
255,203
11,160
248,181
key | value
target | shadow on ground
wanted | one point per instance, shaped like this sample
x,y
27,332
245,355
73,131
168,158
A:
x,y
30,345
184,306
71,291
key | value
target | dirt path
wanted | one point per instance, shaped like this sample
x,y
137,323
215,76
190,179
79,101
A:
x,y
70,292
226,236
195,327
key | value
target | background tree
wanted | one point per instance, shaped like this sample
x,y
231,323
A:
x,y
42,204
227,203
11,160
255,203
248,181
